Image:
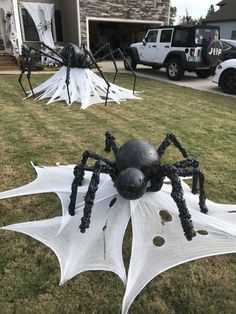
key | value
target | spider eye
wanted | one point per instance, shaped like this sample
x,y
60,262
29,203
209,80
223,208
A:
x,y
131,183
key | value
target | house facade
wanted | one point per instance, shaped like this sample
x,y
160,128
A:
x,y
89,22
225,18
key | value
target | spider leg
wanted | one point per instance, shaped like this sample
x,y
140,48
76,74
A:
x,y
101,73
20,81
64,62
28,77
127,64
171,138
67,81
178,196
197,175
26,68
107,47
78,178
79,171
90,196
111,54
110,143
53,51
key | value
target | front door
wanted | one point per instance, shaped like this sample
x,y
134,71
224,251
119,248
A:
x,y
148,51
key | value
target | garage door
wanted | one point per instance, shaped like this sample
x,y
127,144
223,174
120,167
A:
x,y
118,34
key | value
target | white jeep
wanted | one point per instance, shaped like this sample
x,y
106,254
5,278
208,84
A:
x,y
178,49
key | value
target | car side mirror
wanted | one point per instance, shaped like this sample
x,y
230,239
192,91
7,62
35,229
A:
x,y
144,41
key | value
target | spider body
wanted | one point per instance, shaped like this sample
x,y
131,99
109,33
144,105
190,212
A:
x,y
136,162
137,169
137,154
75,56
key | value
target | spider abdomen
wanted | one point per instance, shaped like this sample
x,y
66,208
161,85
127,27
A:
x,y
140,155
78,58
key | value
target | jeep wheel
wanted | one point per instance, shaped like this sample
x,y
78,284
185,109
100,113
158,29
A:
x,y
228,81
204,73
174,70
131,63
212,52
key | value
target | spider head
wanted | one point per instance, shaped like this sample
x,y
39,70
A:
x,y
131,183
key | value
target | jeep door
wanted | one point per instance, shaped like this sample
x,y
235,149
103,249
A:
x,y
164,44
148,51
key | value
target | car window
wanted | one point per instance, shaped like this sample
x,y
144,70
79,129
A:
x,y
181,37
151,37
166,36
203,35
225,46
231,43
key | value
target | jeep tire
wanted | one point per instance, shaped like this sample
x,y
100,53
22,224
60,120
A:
x,y
227,81
131,61
174,69
211,52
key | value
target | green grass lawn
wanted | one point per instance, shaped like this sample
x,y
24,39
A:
x,y
32,131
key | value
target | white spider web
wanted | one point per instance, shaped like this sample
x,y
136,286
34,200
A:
x,y
85,87
101,248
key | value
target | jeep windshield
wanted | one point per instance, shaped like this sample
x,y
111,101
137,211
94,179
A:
x,y
203,35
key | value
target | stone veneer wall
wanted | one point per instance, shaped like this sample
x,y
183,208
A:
x,y
148,10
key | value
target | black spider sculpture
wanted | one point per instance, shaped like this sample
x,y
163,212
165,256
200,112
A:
x,y
136,170
26,67
73,56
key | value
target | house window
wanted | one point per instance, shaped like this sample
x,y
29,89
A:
x,y
30,30
233,35
58,25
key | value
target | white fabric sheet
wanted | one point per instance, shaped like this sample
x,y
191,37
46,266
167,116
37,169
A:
x,y
6,5
102,249
85,87
42,14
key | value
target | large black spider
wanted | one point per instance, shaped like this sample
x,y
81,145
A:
x,y
73,56
137,169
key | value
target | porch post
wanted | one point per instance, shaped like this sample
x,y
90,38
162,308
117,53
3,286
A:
x,y
17,23
78,17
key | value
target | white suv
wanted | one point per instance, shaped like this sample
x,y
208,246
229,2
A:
x,y
225,76
178,49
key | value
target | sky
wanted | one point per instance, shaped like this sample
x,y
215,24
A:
x,y
195,8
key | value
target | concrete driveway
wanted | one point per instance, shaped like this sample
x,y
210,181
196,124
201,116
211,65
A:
x,y
189,80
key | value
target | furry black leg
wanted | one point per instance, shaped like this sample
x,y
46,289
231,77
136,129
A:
x,y
178,196
74,188
110,143
90,196
198,176
79,172
202,195
171,138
